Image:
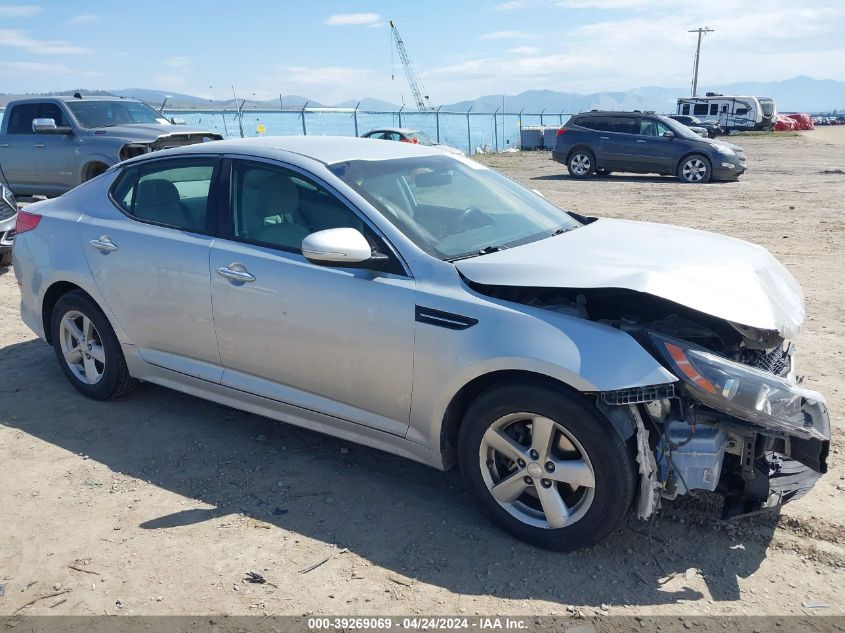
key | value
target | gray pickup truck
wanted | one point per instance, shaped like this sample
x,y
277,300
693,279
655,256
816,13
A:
x,y
48,145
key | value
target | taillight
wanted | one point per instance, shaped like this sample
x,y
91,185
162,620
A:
x,y
561,131
26,222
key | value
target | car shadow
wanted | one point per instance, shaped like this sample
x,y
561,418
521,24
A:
x,y
614,177
397,514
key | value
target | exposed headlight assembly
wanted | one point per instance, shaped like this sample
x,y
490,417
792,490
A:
x,y
744,392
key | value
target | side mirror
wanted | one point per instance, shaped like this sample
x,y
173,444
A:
x,y
668,134
48,126
177,120
337,246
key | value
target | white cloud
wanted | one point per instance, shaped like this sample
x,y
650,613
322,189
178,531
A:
x,y
354,19
178,63
525,50
15,68
19,39
612,4
508,35
85,18
510,5
19,11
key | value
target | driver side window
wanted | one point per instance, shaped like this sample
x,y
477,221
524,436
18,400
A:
x,y
280,208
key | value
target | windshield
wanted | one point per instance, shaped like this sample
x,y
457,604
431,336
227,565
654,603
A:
x,y
767,105
451,207
421,138
679,128
92,114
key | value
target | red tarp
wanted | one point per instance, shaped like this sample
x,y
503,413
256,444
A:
x,y
785,124
803,121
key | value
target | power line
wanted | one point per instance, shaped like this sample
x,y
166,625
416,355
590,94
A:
x,y
700,31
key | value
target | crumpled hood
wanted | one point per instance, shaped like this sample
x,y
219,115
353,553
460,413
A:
x,y
715,274
147,133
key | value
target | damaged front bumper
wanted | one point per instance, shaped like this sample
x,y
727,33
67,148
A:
x,y
685,443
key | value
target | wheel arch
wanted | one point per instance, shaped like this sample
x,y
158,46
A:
x,y
460,402
581,146
92,168
51,297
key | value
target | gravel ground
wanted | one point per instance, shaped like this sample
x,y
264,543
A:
x,y
160,503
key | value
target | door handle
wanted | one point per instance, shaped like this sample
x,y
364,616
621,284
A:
x,y
235,275
4,145
40,145
605,138
104,244
641,141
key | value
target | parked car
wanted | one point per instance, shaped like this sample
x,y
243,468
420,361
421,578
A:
x,y
8,217
406,135
48,145
604,142
711,128
423,304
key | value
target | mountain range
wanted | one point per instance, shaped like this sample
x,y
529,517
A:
x,y
803,94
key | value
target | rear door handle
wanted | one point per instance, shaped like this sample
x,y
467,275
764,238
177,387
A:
x,y
641,141
40,145
104,244
234,274
4,145
605,138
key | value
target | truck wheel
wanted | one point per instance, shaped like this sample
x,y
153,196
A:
x,y
545,466
93,170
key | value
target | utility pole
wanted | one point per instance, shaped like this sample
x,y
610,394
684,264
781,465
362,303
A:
x,y
700,32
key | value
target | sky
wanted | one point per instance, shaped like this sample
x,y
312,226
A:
x,y
332,51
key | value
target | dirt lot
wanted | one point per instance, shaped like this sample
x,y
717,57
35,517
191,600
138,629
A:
x,y
159,503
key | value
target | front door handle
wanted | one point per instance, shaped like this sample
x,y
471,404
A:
x,y
104,244
235,274
605,138
40,145
641,141
4,145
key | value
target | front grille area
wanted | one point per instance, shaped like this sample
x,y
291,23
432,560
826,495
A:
x,y
776,361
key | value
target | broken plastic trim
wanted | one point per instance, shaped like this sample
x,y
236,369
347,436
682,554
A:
x,y
648,500
639,395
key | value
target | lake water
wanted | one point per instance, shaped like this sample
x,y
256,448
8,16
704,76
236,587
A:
x,y
469,133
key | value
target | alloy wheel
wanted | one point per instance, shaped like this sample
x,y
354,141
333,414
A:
x,y
536,470
82,347
580,164
694,170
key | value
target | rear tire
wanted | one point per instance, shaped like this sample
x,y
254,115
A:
x,y
581,163
87,348
695,169
569,497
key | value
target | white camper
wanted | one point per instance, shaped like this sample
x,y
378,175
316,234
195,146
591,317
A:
x,y
730,112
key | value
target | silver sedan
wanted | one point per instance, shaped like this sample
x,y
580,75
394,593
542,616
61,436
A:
x,y
577,368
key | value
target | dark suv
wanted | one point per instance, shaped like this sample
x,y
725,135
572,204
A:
x,y
602,142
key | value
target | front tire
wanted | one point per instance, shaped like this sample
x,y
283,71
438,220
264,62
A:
x,y
695,169
87,349
545,466
581,164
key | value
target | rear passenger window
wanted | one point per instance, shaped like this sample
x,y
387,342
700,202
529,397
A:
x,y
620,125
279,208
700,109
21,117
173,193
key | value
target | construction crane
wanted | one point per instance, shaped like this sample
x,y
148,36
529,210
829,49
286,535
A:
x,y
416,87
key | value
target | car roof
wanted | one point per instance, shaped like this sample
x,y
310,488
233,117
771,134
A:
x,y
400,130
70,99
325,149
613,113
